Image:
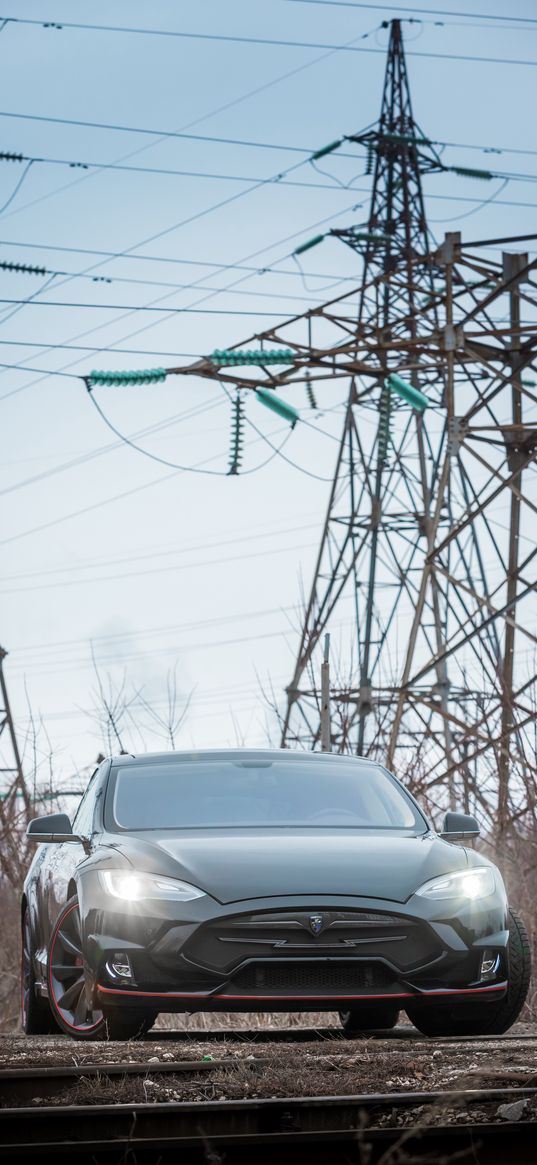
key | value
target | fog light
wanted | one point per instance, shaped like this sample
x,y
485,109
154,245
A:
x,y
119,966
490,962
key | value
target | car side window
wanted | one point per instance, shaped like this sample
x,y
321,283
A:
x,y
83,822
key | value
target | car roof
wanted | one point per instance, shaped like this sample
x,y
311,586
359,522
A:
x,y
239,754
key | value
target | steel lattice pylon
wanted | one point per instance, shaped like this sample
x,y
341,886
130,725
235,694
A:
x,y
422,546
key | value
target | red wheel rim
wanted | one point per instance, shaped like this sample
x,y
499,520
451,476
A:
x,y
67,985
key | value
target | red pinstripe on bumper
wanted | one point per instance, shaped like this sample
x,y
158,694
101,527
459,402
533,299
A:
x,y
343,998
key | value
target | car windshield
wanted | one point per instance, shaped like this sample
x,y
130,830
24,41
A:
x,y
258,793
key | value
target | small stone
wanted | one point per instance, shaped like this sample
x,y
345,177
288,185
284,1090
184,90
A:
x,y
153,1060
37,1099
513,1111
168,1056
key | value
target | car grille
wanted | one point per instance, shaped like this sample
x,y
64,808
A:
x,y
226,943
299,978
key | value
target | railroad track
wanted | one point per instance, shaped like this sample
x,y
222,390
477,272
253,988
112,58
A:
x,y
24,1083
323,1130
298,1035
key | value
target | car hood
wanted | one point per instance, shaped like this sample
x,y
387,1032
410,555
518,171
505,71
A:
x,y
234,866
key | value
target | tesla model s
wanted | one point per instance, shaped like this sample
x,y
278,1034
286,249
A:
x,y
261,881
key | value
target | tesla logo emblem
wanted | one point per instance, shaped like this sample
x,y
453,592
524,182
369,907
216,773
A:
x,y
316,923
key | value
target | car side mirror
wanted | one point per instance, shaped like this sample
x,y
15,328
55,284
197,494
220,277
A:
x,y
55,827
459,827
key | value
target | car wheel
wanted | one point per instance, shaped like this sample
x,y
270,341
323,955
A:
x,y
368,1018
67,980
36,1016
67,989
484,1018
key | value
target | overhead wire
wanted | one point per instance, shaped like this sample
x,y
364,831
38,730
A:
x,y
139,308
82,459
475,209
279,452
228,287
212,113
18,185
221,108
176,311
150,571
154,554
172,465
133,308
188,126
212,138
419,11
271,42
158,259
104,502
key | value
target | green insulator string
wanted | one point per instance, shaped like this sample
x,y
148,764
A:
x,y
310,393
120,379
384,429
237,435
24,269
232,358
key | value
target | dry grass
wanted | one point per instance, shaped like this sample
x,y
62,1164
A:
x,y
246,1020
271,1070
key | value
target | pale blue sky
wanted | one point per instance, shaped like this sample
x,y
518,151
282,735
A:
x,y
211,565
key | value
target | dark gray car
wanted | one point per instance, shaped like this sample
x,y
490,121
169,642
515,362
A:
x,y
263,880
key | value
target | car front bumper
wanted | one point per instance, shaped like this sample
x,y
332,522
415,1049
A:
x,y
264,954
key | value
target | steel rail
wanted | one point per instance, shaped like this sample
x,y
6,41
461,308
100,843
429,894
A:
x,y
198,1131
310,1035
297,1035
25,1083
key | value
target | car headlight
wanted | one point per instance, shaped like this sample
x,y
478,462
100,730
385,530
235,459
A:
x,y
133,887
471,884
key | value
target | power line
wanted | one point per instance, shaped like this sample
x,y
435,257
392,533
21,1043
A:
x,y
87,348
220,561
83,458
188,647
273,42
420,11
214,139
220,177
131,308
105,502
212,113
166,259
228,266
93,563
249,292
171,464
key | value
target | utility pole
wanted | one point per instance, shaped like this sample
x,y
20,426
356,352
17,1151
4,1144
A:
x,y
515,268
425,510
11,772
326,729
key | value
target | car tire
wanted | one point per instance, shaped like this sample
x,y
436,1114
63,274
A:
x,y
484,1018
36,1016
128,1025
67,988
368,1018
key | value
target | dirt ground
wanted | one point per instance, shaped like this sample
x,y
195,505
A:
x,y
265,1068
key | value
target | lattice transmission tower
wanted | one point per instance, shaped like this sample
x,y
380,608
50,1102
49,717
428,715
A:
x,y
426,567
